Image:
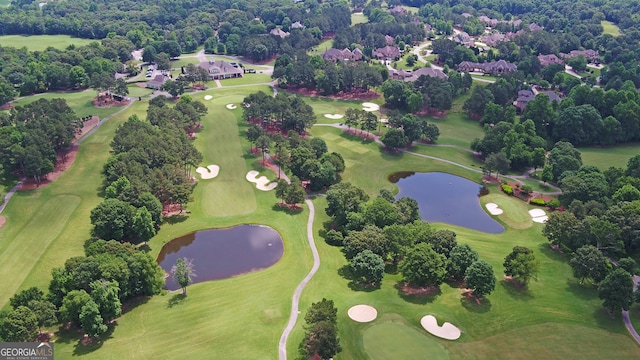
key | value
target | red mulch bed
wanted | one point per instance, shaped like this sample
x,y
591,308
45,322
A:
x,y
171,209
490,179
366,95
417,291
104,101
431,112
62,164
363,134
2,221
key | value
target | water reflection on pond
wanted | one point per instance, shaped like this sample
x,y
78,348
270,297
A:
x,y
446,198
223,253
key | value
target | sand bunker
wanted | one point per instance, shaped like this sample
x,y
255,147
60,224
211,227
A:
x,y
446,331
262,183
333,116
384,121
362,313
367,106
538,215
231,106
208,97
493,209
209,172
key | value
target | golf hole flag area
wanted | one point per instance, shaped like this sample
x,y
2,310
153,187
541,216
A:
x,y
231,106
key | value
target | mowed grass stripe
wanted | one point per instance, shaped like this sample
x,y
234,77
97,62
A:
x,y
42,42
394,340
20,254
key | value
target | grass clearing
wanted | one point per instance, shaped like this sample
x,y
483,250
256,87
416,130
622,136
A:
x,y
138,91
79,101
604,158
177,64
42,42
395,340
456,128
610,28
247,79
321,48
358,18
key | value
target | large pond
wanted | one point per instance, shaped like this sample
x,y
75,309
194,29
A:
x,y
446,198
223,253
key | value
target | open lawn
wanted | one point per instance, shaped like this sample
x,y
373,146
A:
x,y
42,42
79,101
177,64
603,158
136,91
243,317
321,48
247,79
610,28
358,18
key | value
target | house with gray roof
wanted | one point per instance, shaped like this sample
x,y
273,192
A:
x,y
386,53
411,76
342,55
494,68
157,82
546,60
590,55
219,70
279,32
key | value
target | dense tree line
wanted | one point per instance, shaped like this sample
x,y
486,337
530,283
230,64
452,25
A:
x,y
328,77
87,292
281,113
32,135
388,230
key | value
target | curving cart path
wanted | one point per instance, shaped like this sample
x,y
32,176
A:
x,y
282,347
625,314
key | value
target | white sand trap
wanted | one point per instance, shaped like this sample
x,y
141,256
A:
x,y
231,106
540,219
446,331
333,116
384,121
367,106
538,215
362,313
209,172
493,209
208,97
262,183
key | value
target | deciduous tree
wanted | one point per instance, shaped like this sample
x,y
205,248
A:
x,y
480,278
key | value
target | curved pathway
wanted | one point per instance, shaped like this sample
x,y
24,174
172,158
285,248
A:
x,y
9,195
625,314
282,347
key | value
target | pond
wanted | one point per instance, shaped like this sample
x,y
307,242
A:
x,y
447,198
222,253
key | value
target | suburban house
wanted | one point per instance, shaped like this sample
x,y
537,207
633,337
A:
x,y
493,22
493,39
386,53
427,27
219,70
410,76
525,96
297,25
398,10
463,38
590,55
342,55
279,32
546,60
535,27
494,68
157,82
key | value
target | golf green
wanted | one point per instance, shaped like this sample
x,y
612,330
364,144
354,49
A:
x,y
393,340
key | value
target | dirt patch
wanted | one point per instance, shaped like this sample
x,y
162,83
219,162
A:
x,y
105,101
64,162
490,179
2,221
171,209
363,134
356,95
418,291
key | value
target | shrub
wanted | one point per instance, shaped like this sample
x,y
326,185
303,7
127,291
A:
x,y
527,189
507,189
553,204
537,201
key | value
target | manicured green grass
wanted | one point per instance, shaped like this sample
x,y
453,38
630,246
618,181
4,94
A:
x,y
610,28
177,64
456,128
603,158
5,2
395,340
515,211
41,42
358,18
247,79
322,47
136,91
79,101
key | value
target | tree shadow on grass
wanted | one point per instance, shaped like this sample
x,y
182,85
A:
x,y
355,284
83,345
175,219
419,296
473,305
391,268
551,253
134,303
287,209
175,300
516,291
586,291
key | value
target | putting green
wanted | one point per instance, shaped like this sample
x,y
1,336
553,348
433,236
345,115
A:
x,y
515,212
393,340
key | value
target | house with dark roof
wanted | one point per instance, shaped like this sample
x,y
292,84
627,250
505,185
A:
x,y
411,76
342,55
386,53
525,96
157,82
219,70
398,10
494,68
546,60
493,39
463,38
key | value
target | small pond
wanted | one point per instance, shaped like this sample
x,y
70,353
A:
x,y
223,253
447,198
